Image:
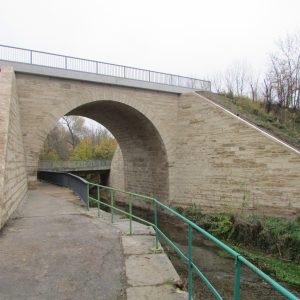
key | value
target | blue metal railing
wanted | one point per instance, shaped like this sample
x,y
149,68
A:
x,y
75,183
52,60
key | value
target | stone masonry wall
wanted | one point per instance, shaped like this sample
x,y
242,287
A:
x,y
143,122
116,177
223,163
182,147
13,178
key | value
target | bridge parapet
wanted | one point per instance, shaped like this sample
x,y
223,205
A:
x,y
62,62
74,165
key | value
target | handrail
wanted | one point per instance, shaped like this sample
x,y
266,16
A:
x,y
70,165
53,60
188,259
239,259
79,185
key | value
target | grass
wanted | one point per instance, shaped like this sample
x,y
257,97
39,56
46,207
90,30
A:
x,y
283,123
285,271
271,243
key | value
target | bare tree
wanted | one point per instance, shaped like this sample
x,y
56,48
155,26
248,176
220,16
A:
x,y
217,83
284,71
236,77
267,93
96,134
75,127
253,85
56,141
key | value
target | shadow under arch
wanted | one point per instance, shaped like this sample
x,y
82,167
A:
x,y
145,161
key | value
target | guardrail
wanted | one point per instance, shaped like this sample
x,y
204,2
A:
x,y
52,60
75,183
188,259
74,165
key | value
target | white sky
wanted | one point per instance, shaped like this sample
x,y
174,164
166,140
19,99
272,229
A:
x,y
192,38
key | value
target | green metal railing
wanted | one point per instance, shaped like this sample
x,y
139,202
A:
x,y
239,259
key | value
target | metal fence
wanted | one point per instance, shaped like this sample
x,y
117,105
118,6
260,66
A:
x,y
192,230
52,60
75,183
74,165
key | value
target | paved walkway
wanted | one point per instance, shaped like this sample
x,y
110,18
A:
x,y
52,250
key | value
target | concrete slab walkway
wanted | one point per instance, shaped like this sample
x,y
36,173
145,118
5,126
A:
x,y
149,275
51,250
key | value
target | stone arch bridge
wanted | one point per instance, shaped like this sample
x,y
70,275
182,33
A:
x,y
174,144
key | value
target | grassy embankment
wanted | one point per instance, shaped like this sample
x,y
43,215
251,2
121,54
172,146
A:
x,y
271,243
283,123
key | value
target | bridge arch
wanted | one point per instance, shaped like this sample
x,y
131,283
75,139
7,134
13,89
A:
x,y
145,162
142,139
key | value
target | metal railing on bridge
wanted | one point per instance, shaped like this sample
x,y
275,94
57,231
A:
x,y
52,60
192,229
74,165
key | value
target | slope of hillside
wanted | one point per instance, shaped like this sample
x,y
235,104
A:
x,y
282,123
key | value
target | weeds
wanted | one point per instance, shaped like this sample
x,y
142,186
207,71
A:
x,y
272,243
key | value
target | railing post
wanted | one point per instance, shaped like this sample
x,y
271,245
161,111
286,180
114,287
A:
x,y
88,196
112,205
66,63
98,198
155,223
237,277
130,215
31,57
190,257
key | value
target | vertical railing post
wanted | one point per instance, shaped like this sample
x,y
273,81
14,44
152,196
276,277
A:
x,y
130,215
112,206
190,258
156,226
96,67
88,196
237,277
31,57
66,63
99,199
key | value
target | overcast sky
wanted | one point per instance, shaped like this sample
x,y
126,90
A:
x,y
192,38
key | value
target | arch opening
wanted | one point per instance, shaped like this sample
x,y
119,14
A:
x,y
140,163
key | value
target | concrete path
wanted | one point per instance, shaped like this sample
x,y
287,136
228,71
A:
x,y
149,275
52,250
